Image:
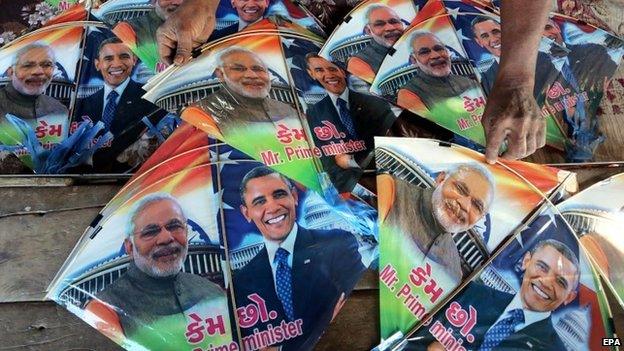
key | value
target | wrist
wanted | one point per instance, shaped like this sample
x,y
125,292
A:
x,y
515,78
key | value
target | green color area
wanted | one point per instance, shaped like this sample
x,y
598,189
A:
x,y
256,139
170,331
394,315
451,115
148,54
55,3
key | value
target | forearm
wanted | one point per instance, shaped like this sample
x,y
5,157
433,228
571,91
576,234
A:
x,y
522,27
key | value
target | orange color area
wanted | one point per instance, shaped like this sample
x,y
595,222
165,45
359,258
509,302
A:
x,y
412,102
431,9
360,69
185,138
202,120
262,44
543,177
69,34
105,320
126,33
593,249
76,12
387,192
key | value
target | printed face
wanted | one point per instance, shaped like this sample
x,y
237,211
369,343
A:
x,y
271,205
159,244
115,62
461,199
384,26
331,77
33,72
431,56
245,74
250,10
164,8
549,280
553,32
488,36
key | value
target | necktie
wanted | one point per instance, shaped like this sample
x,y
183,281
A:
x,y
501,330
283,282
345,118
109,109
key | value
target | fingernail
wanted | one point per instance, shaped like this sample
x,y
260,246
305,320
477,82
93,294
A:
x,y
178,60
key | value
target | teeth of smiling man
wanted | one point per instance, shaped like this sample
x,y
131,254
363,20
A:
x,y
250,10
116,72
540,292
276,219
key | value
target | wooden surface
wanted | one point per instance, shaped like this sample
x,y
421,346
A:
x,y
39,227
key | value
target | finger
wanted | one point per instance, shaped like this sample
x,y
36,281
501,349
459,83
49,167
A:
x,y
494,140
540,135
531,143
185,45
517,145
166,44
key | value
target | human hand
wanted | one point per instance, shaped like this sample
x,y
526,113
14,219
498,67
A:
x,y
187,28
512,114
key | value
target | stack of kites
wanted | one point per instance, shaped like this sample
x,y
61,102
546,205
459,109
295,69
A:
x,y
280,163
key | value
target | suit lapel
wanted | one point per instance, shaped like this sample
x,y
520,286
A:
x,y
303,260
262,283
329,111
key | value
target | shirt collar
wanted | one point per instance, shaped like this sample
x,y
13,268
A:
x,y
530,317
242,24
119,89
288,244
344,96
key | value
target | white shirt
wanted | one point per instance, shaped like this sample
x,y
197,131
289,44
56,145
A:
x,y
334,99
119,89
288,245
242,24
530,317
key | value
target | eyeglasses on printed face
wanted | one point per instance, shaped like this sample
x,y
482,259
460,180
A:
x,y
150,231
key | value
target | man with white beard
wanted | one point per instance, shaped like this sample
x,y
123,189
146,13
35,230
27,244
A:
x,y
153,289
462,196
244,97
433,81
30,75
385,27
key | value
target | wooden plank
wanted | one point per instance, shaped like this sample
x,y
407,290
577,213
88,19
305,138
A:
x,y
33,248
48,327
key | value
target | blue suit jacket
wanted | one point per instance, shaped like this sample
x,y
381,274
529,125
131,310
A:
x,y
126,127
490,303
371,117
325,265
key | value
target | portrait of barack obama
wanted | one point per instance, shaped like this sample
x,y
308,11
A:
x,y
302,274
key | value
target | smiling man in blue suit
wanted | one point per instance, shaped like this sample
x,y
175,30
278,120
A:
x,y
119,104
358,117
303,275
